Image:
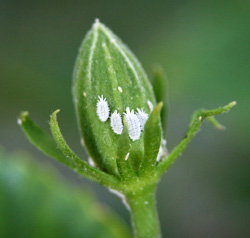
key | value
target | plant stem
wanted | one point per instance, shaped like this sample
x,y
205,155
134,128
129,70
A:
x,y
144,215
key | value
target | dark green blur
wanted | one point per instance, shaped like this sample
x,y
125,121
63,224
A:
x,y
35,202
203,47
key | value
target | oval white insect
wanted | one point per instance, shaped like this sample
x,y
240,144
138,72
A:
x,y
143,117
116,122
102,109
134,129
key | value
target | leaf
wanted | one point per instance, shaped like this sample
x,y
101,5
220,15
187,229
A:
x,y
152,140
37,202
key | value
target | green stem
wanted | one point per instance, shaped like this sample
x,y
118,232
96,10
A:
x,y
143,211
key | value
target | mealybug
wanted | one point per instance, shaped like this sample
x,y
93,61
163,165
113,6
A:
x,y
102,109
116,122
143,117
134,129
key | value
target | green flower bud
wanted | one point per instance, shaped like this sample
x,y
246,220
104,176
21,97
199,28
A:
x,y
121,126
108,85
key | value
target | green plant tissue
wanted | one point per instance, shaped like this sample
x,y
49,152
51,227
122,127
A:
x,y
35,203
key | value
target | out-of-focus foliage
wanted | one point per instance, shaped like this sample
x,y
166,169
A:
x,y
34,203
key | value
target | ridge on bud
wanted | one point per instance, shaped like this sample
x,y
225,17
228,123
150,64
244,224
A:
x,y
105,66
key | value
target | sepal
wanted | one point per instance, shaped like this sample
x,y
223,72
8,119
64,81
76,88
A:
x,y
160,87
152,140
85,169
196,121
125,168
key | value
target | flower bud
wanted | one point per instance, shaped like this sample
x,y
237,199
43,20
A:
x,y
109,84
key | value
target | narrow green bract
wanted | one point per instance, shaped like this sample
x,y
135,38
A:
x,y
106,67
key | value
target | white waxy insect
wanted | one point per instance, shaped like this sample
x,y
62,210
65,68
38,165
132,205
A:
x,y
143,117
134,129
102,109
150,105
116,122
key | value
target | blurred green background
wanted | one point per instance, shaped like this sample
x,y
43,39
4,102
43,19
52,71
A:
x,y
204,48
37,202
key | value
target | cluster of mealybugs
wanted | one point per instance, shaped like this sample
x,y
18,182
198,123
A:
x,y
135,121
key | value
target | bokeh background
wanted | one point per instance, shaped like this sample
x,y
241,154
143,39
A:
x,y
203,47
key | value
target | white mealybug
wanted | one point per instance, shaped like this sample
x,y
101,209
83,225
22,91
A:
x,y
134,129
143,117
150,105
102,109
116,122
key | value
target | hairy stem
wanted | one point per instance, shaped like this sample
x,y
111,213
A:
x,y
143,211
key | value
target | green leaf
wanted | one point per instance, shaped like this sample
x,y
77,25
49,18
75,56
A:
x,y
84,169
160,86
124,160
105,66
152,140
37,202
42,140
198,117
